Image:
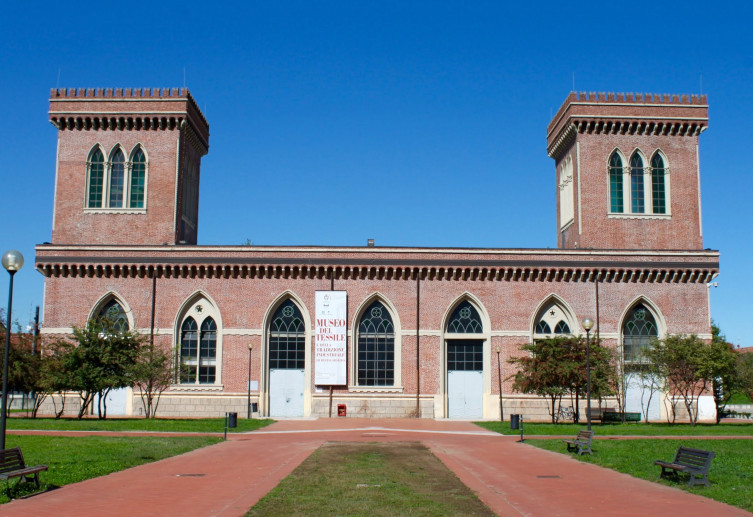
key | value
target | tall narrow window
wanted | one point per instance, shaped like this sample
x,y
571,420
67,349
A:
x,y
138,179
658,190
638,203
207,351
616,204
188,350
638,333
117,179
96,179
376,347
114,312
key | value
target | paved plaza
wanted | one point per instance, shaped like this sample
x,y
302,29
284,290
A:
x,y
228,478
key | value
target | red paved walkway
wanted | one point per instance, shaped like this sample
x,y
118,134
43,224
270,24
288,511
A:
x,y
228,478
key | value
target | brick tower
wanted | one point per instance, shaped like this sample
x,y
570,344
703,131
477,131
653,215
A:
x,y
128,166
627,171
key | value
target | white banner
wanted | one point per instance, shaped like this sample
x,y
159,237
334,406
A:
x,y
330,348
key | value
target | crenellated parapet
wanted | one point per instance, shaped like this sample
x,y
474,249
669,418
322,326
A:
x,y
129,109
626,113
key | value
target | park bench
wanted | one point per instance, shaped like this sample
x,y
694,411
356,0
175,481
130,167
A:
x,y
12,465
596,414
581,443
616,417
695,462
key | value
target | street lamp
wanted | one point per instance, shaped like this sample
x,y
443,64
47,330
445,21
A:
x,y
499,372
588,324
248,406
12,261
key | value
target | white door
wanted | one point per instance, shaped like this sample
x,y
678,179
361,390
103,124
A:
x,y
465,394
286,393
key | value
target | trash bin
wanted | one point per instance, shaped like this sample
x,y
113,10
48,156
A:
x,y
341,411
232,420
514,421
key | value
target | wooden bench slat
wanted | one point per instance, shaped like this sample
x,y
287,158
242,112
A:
x,y
12,465
695,462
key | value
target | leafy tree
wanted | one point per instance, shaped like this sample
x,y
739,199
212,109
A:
x,y
722,365
153,373
101,361
556,367
690,367
744,368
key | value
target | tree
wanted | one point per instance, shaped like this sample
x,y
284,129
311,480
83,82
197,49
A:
x,y
102,360
689,366
722,365
556,367
744,367
153,373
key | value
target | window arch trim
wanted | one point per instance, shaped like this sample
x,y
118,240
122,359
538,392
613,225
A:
x,y
107,298
209,309
568,316
656,314
396,385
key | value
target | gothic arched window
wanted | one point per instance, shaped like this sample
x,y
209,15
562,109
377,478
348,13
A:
x,y
376,347
287,338
117,179
96,177
616,196
638,333
658,188
552,316
198,350
114,312
637,189
465,319
138,179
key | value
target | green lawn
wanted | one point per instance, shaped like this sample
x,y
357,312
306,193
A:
x,y
733,429
197,425
731,473
379,479
74,459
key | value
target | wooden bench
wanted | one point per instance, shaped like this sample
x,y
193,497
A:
x,y
581,443
596,414
12,466
695,462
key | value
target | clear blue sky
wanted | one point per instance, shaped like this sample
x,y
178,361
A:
x,y
422,123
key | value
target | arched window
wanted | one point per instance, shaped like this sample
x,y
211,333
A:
x,y
114,312
638,333
552,316
638,203
287,339
616,199
465,319
198,351
96,175
376,347
138,179
658,189
117,179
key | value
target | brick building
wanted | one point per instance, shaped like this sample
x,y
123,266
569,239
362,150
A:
x,y
428,329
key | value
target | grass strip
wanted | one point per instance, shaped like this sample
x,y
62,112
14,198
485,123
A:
x,y
74,459
634,429
381,479
191,425
731,473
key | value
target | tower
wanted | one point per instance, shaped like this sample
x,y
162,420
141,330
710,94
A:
x,y
128,166
627,171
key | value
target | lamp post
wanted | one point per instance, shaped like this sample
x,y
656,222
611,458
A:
x,y
12,262
499,373
248,405
588,324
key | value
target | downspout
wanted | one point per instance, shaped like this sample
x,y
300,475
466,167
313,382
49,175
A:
x,y
418,344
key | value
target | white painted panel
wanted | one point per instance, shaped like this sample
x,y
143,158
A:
x,y
116,402
637,400
465,391
286,393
